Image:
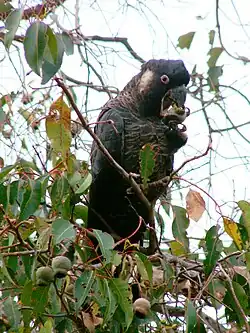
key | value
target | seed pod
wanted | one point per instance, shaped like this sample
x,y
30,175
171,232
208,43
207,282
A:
x,y
61,265
141,307
44,276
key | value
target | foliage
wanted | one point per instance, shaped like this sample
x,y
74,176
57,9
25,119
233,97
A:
x,y
52,277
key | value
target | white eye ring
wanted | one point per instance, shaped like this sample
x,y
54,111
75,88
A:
x,y
164,79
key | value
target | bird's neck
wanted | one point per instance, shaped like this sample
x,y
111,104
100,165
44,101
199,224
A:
x,y
149,108
145,106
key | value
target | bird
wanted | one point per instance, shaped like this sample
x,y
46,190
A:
x,y
125,124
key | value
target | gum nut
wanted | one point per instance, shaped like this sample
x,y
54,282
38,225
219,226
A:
x,y
44,276
61,265
141,307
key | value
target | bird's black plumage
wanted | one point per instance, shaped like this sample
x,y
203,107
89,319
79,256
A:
x,y
136,115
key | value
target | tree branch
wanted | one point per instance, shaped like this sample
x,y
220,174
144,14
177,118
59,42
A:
x,y
122,40
241,58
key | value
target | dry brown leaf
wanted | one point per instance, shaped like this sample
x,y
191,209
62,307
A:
x,y
91,321
195,205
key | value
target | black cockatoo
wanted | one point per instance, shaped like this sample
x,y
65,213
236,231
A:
x,y
137,119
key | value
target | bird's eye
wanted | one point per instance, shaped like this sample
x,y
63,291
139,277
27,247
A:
x,y
164,79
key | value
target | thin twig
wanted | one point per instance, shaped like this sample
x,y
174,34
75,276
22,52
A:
x,y
122,40
166,180
235,298
241,58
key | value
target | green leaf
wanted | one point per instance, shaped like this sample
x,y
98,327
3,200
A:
x,y
65,325
213,77
85,184
230,302
2,116
212,254
28,262
62,229
177,248
144,266
58,127
44,182
47,327
68,43
74,179
26,301
214,54
111,304
215,288
52,61
123,295
199,328
31,199
6,170
27,165
59,191
245,208
147,163
43,239
82,287
191,317
169,276
12,23
180,225
3,196
82,253
211,36
39,299
51,47
247,257
185,41
4,271
35,42
5,7
13,190
106,243
26,293
81,212
12,263
11,311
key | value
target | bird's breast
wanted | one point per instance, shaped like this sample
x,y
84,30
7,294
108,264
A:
x,y
139,132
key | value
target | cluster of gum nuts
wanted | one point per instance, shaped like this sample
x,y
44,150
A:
x,y
59,268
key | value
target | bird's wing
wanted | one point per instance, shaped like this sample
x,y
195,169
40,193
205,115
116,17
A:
x,y
109,130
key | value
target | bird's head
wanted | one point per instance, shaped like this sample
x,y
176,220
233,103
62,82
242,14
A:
x,y
162,75
156,79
